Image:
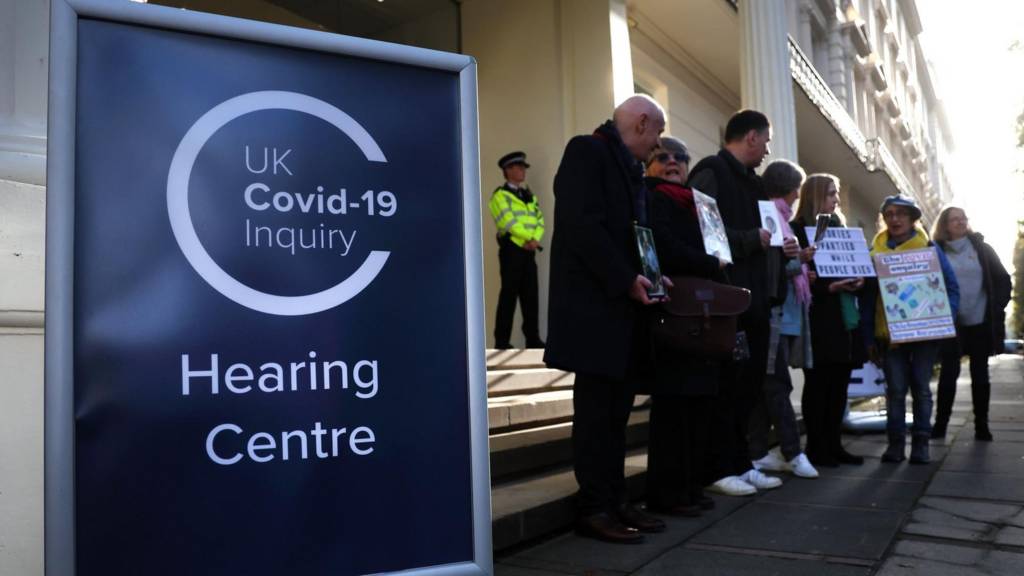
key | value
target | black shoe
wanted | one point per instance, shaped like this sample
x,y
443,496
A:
x,y
939,432
982,433
919,450
503,346
603,527
822,460
844,457
895,453
538,343
705,502
635,518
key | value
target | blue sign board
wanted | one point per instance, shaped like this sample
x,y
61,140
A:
x,y
273,322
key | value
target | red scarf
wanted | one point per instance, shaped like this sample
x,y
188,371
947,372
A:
x,y
680,194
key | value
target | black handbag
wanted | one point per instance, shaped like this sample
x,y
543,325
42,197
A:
x,y
700,318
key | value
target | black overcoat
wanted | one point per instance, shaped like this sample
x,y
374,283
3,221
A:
x,y
592,321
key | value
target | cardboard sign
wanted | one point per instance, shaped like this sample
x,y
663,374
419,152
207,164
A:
x,y
842,253
913,293
716,243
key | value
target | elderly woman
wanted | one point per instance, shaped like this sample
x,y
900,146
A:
x,y
984,294
908,365
684,386
789,286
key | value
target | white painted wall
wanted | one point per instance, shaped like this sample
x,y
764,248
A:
x,y
545,73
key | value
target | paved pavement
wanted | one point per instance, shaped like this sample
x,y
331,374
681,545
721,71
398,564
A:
x,y
962,515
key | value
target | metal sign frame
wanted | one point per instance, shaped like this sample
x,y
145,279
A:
x,y
59,427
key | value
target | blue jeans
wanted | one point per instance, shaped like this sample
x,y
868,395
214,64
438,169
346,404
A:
x,y
909,366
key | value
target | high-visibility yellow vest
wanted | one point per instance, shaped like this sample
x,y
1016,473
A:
x,y
518,220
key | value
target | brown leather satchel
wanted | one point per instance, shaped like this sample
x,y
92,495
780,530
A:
x,y
700,319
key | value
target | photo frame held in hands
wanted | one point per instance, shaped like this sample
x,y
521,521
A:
x,y
649,261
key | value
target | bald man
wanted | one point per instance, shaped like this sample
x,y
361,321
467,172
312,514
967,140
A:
x,y
597,295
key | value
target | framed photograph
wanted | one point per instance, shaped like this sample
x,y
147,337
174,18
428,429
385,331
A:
x,y
716,243
771,221
649,260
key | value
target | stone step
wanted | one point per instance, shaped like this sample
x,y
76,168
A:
x,y
516,412
526,380
517,453
527,509
514,359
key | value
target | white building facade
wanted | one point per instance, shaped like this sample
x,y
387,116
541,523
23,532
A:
x,y
845,83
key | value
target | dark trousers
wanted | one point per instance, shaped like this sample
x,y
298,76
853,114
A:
x,y
518,282
776,410
676,452
601,409
823,405
739,390
975,342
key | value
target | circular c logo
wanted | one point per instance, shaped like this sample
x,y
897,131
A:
x,y
181,219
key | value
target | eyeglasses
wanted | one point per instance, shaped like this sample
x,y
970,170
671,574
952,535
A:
x,y
679,156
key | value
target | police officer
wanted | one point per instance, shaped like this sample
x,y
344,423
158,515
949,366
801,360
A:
x,y
520,225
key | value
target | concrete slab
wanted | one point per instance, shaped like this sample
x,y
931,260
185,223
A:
x,y
573,554
508,570
847,492
967,520
977,485
686,562
935,559
874,468
820,530
988,462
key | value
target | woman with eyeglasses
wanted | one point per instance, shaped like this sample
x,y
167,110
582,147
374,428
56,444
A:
x,y
684,386
984,294
908,365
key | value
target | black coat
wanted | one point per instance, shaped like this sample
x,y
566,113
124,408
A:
x,y
594,259
995,281
680,246
737,189
831,342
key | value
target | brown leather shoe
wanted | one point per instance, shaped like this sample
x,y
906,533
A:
x,y
603,527
636,518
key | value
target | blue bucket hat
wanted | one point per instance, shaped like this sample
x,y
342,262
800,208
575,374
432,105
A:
x,y
904,201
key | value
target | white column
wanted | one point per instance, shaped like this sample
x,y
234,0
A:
x,y
806,39
23,68
766,83
838,57
24,40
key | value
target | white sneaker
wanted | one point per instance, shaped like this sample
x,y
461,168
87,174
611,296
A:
x,y
772,462
801,467
732,486
760,481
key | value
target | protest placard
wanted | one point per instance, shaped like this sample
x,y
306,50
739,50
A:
x,y
842,253
914,295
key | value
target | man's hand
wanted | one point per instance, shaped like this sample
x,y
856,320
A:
x,y
766,238
812,276
790,247
638,291
807,254
531,245
722,263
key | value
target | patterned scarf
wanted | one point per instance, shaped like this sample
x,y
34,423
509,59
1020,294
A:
x,y
801,282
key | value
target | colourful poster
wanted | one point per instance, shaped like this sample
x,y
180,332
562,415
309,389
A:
x,y
914,295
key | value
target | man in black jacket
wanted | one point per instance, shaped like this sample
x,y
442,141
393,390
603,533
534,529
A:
x,y
729,177
595,307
